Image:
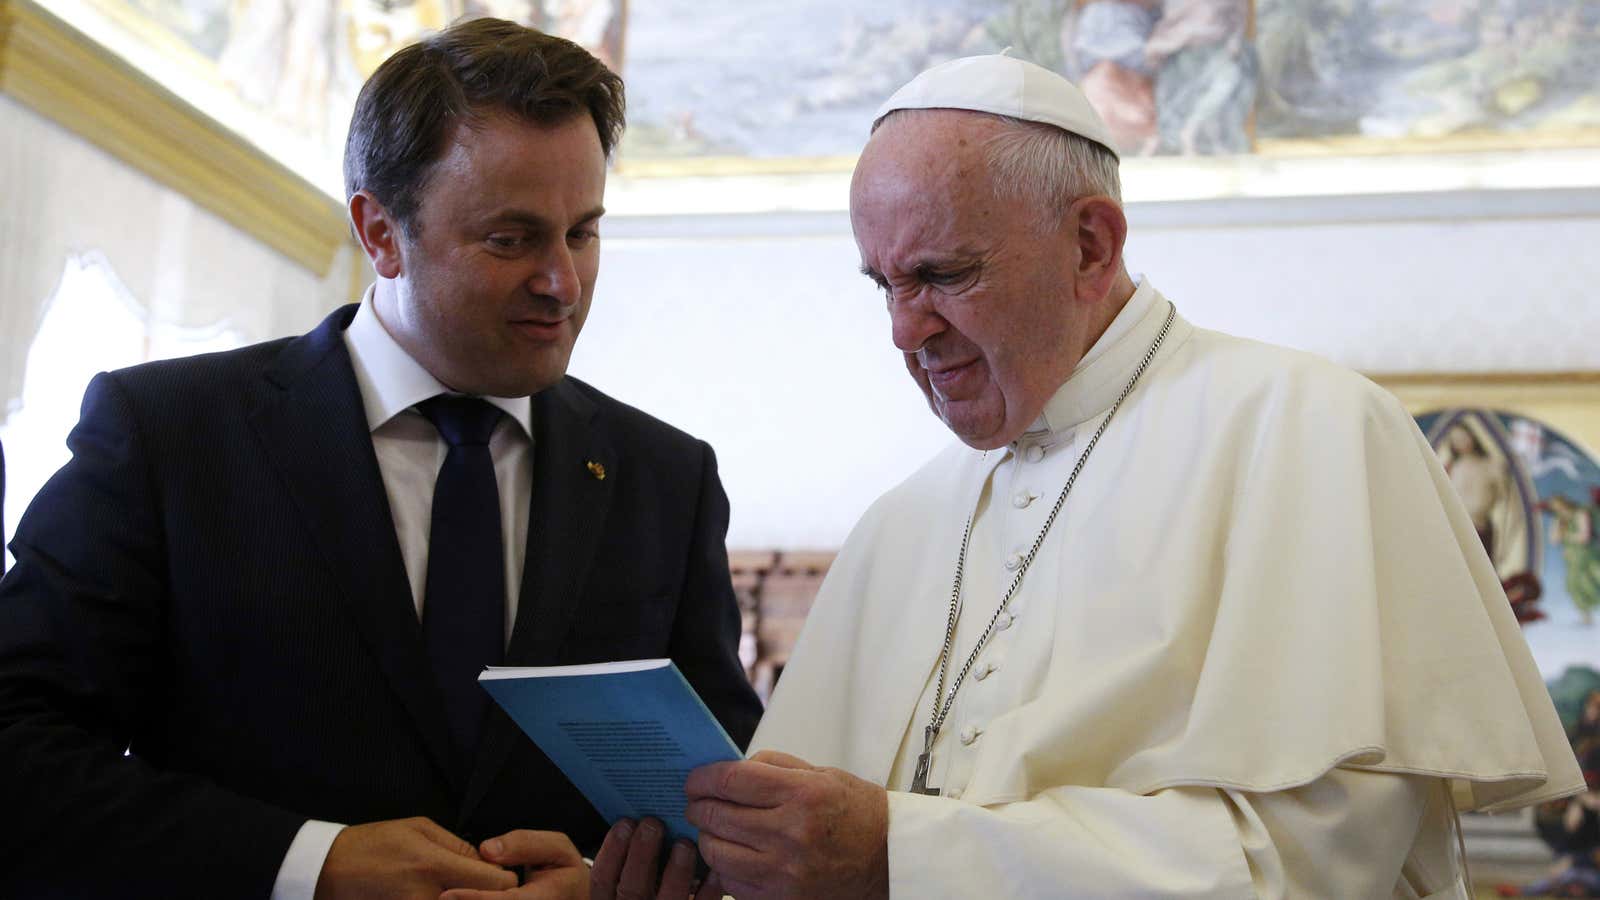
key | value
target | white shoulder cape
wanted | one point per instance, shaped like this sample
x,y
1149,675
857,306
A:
x,y
1262,574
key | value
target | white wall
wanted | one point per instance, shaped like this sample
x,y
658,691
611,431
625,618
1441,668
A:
x,y
756,332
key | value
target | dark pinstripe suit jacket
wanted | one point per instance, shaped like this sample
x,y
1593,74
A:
x,y
213,583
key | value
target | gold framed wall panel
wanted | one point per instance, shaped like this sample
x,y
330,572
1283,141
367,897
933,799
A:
x,y
58,72
1569,401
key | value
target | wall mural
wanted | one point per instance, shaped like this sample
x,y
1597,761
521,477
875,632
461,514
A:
x,y
778,85
1533,494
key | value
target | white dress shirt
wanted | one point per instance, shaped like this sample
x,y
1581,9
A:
x,y
410,453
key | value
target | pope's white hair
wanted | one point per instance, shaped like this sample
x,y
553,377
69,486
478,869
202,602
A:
x,y
1044,166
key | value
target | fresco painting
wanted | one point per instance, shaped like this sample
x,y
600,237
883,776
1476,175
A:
x,y
1533,495
722,87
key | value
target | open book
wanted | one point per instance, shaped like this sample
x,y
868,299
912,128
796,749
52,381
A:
x,y
626,733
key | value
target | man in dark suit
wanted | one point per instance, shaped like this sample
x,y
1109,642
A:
x,y
239,645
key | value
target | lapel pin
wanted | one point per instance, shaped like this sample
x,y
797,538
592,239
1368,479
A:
x,y
597,470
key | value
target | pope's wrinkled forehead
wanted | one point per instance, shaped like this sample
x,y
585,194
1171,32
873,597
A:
x,y
922,183
919,149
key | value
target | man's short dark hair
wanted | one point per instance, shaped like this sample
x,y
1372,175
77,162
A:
x,y
469,71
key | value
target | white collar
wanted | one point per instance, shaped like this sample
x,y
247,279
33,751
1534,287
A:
x,y
392,382
1099,377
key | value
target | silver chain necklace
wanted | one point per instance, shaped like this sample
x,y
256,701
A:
x,y
942,701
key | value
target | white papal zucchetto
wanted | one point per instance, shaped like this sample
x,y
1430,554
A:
x,y
1005,86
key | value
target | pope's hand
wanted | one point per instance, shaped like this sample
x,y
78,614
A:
x,y
777,827
626,867
552,867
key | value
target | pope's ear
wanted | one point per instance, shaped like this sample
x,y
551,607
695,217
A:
x,y
1100,229
379,233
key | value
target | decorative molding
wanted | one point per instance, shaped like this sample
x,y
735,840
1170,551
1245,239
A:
x,y
1581,381
54,69
1567,401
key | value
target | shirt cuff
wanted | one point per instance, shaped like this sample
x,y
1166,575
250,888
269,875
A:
x,y
302,865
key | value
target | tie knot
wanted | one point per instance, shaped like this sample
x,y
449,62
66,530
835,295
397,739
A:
x,y
462,421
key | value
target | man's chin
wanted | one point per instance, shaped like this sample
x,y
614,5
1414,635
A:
x,y
515,384
979,434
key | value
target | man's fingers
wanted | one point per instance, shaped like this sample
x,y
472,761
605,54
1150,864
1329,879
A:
x,y
442,837
733,862
747,783
781,760
739,889
711,888
525,847
639,871
561,883
455,871
566,883
679,873
607,868
730,821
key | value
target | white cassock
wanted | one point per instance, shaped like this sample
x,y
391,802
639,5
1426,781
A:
x,y
1261,651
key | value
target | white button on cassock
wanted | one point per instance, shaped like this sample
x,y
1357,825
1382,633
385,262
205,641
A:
x,y
985,670
1033,454
1022,499
969,734
1004,622
1014,562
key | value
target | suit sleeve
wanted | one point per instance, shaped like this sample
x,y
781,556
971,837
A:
x,y
1348,834
83,662
705,636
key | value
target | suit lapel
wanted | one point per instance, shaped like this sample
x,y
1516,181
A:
x,y
574,472
313,426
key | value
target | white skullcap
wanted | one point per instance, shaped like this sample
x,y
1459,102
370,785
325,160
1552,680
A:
x,y
1004,86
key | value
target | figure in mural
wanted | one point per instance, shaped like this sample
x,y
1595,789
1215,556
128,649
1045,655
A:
x,y
301,63
593,24
1168,76
1207,83
1484,476
1113,71
1502,461
282,59
1484,483
1571,826
1572,529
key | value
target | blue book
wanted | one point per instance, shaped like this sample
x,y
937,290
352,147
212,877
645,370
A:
x,y
626,733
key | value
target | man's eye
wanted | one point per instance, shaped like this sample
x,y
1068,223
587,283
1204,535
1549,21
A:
x,y
945,278
504,241
582,236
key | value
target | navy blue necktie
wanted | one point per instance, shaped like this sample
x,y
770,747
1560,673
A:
x,y
463,613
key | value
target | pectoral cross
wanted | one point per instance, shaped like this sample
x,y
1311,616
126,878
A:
x,y
919,780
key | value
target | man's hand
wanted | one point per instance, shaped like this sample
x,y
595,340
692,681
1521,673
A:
x,y
552,866
626,867
777,827
405,859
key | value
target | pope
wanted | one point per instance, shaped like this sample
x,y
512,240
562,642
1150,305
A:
x,y
1181,614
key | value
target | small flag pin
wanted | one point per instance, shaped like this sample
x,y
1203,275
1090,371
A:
x,y
597,470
